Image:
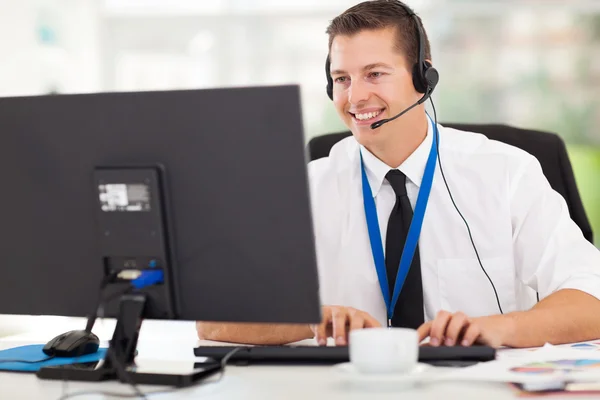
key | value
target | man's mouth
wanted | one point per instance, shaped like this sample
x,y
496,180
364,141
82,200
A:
x,y
366,117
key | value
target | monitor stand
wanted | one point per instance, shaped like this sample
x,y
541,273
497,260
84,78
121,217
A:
x,y
120,364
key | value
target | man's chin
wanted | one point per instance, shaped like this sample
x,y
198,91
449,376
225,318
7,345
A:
x,y
365,135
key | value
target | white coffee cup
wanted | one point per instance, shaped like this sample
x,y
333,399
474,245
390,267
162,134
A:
x,y
384,350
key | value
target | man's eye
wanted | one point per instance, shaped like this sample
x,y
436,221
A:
x,y
340,79
374,74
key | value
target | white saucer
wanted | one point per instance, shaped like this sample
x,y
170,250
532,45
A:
x,y
400,380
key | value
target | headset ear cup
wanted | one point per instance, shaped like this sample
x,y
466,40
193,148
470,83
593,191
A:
x,y
329,80
432,77
419,81
426,78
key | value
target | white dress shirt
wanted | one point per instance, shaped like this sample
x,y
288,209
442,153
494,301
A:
x,y
525,237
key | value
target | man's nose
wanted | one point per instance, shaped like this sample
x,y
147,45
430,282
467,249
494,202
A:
x,y
357,92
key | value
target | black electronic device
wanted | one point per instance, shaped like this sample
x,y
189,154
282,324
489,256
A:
x,y
443,355
72,344
156,205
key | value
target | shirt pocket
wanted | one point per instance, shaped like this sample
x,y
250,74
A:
x,y
463,286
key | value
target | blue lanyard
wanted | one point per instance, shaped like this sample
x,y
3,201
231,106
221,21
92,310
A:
x,y
414,230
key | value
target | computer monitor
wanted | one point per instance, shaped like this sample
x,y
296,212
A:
x,y
209,187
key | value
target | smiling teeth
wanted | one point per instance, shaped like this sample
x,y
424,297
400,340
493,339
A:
x,y
370,115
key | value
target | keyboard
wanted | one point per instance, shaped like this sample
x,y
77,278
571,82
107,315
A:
x,y
454,356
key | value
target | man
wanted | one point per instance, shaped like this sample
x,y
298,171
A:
x,y
493,238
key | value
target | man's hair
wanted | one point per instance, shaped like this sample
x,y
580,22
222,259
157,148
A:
x,y
381,14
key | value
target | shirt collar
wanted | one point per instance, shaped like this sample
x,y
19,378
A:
x,y
413,167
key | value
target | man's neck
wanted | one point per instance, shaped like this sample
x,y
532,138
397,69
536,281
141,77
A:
x,y
407,137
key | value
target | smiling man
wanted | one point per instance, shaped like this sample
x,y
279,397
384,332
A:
x,y
458,244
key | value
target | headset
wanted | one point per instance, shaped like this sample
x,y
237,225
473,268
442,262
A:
x,y
425,78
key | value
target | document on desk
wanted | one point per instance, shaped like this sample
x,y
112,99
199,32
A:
x,y
547,364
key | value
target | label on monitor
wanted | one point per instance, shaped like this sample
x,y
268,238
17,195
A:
x,y
130,197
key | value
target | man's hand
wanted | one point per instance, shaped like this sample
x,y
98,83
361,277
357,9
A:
x,y
339,321
458,329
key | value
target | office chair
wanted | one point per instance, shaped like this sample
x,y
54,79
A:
x,y
548,148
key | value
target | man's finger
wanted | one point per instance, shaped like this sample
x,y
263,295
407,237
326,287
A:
x,y
424,330
321,329
357,321
438,328
471,334
455,326
339,319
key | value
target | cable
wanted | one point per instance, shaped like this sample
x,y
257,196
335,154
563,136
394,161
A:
x,y
106,394
141,395
223,363
122,372
28,361
90,322
148,279
100,301
459,213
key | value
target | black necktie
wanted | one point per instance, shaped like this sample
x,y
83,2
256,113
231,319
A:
x,y
409,308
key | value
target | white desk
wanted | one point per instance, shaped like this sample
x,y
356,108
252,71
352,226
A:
x,y
175,342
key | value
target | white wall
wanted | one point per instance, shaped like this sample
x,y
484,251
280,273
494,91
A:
x,y
48,45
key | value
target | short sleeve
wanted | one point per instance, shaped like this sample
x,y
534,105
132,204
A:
x,y
550,250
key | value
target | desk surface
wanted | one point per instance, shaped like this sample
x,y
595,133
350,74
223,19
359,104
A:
x,y
175,342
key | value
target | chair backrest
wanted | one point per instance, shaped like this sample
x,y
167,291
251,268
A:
x,y
548,148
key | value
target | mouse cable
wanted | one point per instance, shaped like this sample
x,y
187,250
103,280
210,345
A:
x,y
146,279
100,301
28,361
459,213
139,394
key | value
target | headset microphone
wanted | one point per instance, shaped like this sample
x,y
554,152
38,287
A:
x,y
378,124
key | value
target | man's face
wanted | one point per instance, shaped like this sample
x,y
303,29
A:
x,y
371,81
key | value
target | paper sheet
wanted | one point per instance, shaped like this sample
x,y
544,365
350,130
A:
x,y
573,362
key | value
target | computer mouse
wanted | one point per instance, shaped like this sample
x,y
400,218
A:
x,y
72,344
